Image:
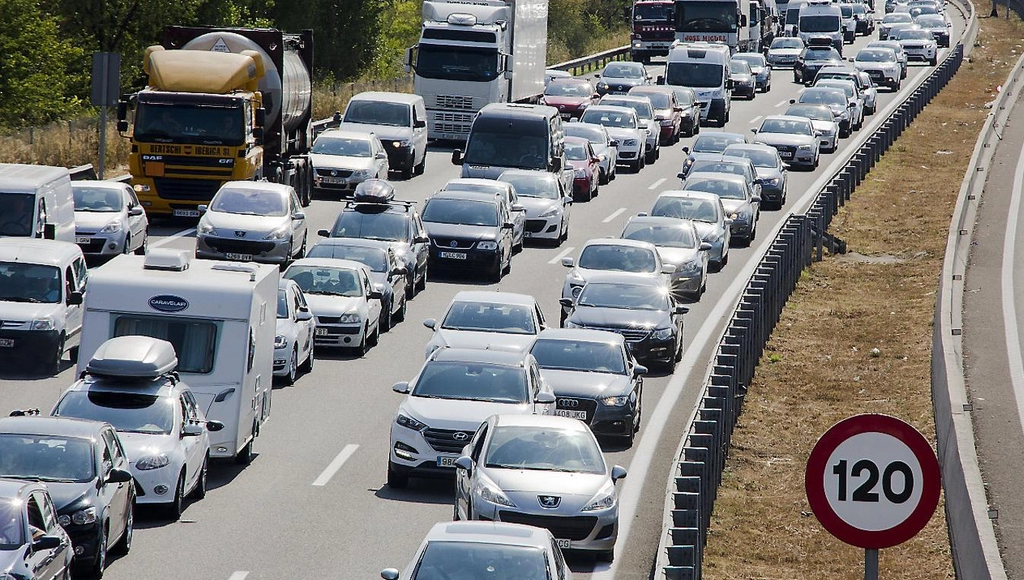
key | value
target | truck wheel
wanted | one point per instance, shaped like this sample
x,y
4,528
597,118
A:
x,y
244,457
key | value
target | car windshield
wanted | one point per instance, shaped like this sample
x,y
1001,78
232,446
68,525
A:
x,y
579,355
740,67
896,17
684,96
506,147
249,202
714,143
325,280
931,21
596,135
753,60
128,412
913,34
792,127
99,199
576,151
544,449
675,236
376,113
325,145
609,118
447,560
568,89
282,303
472,381
761,157
724,188
623,296
643,108
875,55
824,96
618,258
461,212
845,87
543,185
815,112
658,99
824,23
23,282
826,53
702,210
12,536
46,458
859,9
787,43
847,10
376,259
16,215
489,317
693,74
712,166
387,226
623,71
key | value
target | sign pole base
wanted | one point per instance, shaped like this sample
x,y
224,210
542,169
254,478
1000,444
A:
x,y
870,564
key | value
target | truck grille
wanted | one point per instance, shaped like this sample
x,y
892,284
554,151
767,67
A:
x,y
443,440
454,102
570,528
191,189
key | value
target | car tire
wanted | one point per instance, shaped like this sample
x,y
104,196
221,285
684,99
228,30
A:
x,y
407,173
934,61
124,545
200,490
384,322
52,366
307,365
372,340
399,315
302,249
177,505
422,284
397,480
244,456
293,367
99,563
636,166
602,177
421,166
650,157
141,250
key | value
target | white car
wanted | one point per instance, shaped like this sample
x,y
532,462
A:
x,y
343,300
919,44
894,18
881,64
455,391
485,319
343,159
545,200
130,384
649,124
625,128
252,221
794,137
784,51
109,219
293,343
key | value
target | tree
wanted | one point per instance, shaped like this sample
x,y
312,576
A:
x,y
346,31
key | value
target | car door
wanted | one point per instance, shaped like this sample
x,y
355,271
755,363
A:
x,y
463,478
397,281
373,305
419,131
136,223
42,521
518,215
119,495
298,223
420,242
75,276
506,234
192,447
304,328
108,496
537,385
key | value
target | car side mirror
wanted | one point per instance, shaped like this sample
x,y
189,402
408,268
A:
x,y
192,430
727,221
119,476
419,124
203,208
75,298
214,426
508,226
323,233
668,268
618,472
544,398
704,246
851,105
686,149
374,295
613,143
457,157
661,79
729,84
792,101
464,462
430,323
595,96
755,199
122,126
753,129
389,574
518,207
567,302
421,240
381,155
641,214
682,310
639,370
136,211
303,315
46,543
568,262
401,387
298,216
556,164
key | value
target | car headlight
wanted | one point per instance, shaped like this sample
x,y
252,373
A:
x,y
280,341
570,324
662,333
349,318
81,517
206,229
410,423
602,85
604,499
619,401
278,234
804,147
774,181
490,492
400,143
111,228
487,245
152,462
45,323
689,267
629,143
552,212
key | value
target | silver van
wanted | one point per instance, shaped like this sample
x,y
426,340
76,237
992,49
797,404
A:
x,y
399,120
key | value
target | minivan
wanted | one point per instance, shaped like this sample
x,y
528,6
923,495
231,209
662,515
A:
x,y
399,120
36,202
705,68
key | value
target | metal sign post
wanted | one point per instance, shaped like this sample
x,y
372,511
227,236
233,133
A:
x,y
106,84
871,564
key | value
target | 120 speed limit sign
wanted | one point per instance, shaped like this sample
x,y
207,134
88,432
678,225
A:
x,y
873,481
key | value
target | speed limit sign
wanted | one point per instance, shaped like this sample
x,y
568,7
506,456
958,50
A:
x,y
872,481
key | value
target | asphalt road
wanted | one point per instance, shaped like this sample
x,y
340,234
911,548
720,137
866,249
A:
x,y
268,520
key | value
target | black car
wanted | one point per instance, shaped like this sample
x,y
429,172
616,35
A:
x,y
642,311
86,473
812,59
468,233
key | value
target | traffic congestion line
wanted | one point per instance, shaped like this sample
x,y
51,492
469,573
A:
x,y
335,465
558,259
173,237
656,184
780,103
1010,320
614,215
239,575
756,119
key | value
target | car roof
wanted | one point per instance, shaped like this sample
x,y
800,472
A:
x,y
726,134
354,242
662,89
692,193
569,80
542,421
786,118
760,146
612,109
383,96
723,176
618,242
489,184
581,334
494,297
329,263
261,186
162,386
666,221
346,134
37,251
626,98
465,195
496,356
544,175
104,184
488,532
56,426
723,158
577,140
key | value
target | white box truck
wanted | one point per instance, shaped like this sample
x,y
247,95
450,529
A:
x,y
220,317
36,202
475,52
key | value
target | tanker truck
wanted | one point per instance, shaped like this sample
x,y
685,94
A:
x,y
221,104
475,52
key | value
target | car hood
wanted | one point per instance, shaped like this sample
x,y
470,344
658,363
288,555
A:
x,y
139,445
706,230
457,414
461,231
758,70
475,339
676,256
762,173
741,77
65,494
251,226
330,305
785,51
578,163
616,81
584,384
535,206
732,205
783,139
522,486
827,126
321,161
93,221
383,132
8,559
568,102
620,133
618,317
24,311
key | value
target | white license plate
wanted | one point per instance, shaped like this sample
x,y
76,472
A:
x,y
452,255
79,240
186,213
6,342
563,544
238,257
785,154
447,460
320,332
581,415
337,180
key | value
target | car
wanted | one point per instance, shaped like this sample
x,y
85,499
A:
x,y
31,540
648,123
252,221
642,310
342,159
485,549
586,167
552,74
743,80
484,319
109,219
768,167
548,472
851,89
506,196
864,17
571,96
690,113
378,216
386,272
546,202
937,25
868,90
343,300
849,23
604,146
455,391
822,121
887,23
758,67
923,9
85,470
469,233
667,110
813,58
629,257
709,142
293,340
741,206
901,54
919,44
625,128
794,138
130,383
678,244
882,65
707,214
836,101
399,120
721,163
784,51
619,77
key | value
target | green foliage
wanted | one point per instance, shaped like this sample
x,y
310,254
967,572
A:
x,y
346,31
400,27
580,27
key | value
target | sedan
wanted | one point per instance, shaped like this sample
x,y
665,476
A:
x,y
770,170
678,244
628,257
823,122
586,168
901,55
715,163
506,195
836,101
667,110
890,19
109,219
739,201
707,214
625,128
743,81
481,319
619,77
854,98
30,537
793,137
648,123
293,342
604,146
758,67
545,200
713,142
252,221
570,96
547,472
864,17
784,51
467,232
343,159
386,272
867,88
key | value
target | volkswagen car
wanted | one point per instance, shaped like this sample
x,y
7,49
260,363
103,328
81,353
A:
x,y
619,77
468,233
342,159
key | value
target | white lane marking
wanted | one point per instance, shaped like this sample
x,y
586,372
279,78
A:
x,y
1010,326
240,575
614,215
755,119
656,184
170,239
780,103
558,259
335,465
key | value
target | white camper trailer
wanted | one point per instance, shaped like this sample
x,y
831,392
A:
x,y
221,319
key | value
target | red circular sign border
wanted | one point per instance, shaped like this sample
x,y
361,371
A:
x,y
836,435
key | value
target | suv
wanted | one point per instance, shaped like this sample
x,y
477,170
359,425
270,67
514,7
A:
x,y
454,392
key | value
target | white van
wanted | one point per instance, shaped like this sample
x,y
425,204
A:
x,y
42,285
221,319
399,120
821,19
703,67
36,202
792,17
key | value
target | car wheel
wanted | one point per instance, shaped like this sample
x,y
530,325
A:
x,y
396,480
52,366
307,365
603,177
411,286
141,250
421,285
124,545
407,173
127,248
244,456
494,274
636,166
455,510
302,249
384,322
651,156
934,61
508,267
177,505
200,490
421,166
100,562
293,367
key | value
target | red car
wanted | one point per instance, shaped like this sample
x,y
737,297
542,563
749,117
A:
x,y
667,110
586,168
570,96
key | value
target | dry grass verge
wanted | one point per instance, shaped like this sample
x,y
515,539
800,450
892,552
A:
x,y
821,364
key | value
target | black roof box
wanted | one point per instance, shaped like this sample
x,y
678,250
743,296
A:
x,y
374,191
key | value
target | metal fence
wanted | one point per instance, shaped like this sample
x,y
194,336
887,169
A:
x,y
592,62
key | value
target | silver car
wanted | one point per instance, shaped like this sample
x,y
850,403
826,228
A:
x,y
784,51
648,122
708,215
740,203
758,67
625,127
619,77
851,88
343,159
770,169
886,25
252,221
544,471
109,219
823,122
604,145
678,244
482,319
794,138
632,257
293,343
545,200
901,55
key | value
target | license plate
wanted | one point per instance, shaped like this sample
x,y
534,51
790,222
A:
x,y
785,154
186,213
320,332
447,460
6,342
238,257
452,255
79,240
581,415
334,180
563,544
